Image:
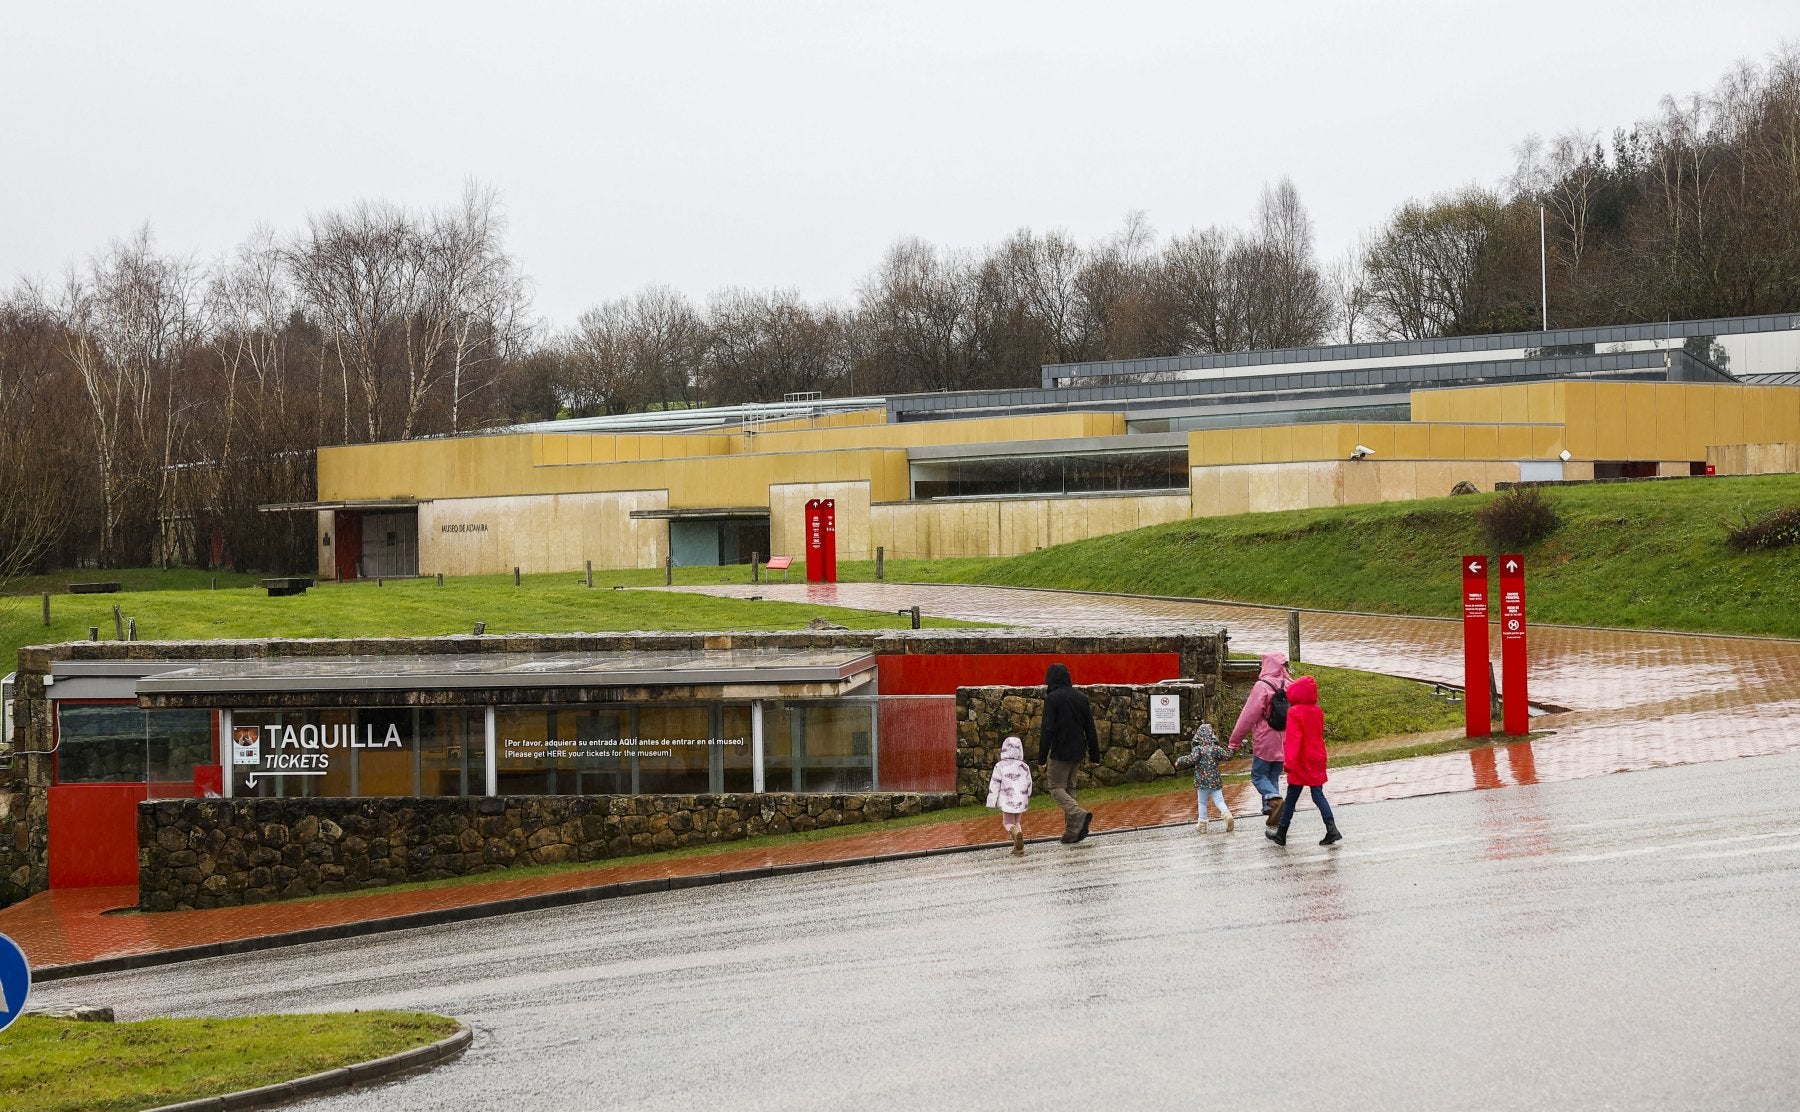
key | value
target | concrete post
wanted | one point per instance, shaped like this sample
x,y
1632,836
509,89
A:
x,y
756,746
493,765
225,766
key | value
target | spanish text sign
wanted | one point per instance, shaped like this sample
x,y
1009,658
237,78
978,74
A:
x,y
1477,716
1517,702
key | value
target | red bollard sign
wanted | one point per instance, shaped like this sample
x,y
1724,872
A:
x,y
1517,714
815,542
1477,715
821,540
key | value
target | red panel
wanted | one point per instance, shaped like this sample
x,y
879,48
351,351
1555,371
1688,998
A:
x,y
942,674
93,834
93,831
918,745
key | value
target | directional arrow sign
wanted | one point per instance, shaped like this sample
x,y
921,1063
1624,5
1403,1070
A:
x,y
1517,712
1477,713
250,780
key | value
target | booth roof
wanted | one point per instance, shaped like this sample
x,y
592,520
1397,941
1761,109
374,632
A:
x,y
500,670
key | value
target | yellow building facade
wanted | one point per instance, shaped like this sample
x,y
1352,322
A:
x,y
547,501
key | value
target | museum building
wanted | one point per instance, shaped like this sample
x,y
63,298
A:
x,y
1098,448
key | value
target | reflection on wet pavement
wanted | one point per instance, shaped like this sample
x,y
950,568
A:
x,y
1636,700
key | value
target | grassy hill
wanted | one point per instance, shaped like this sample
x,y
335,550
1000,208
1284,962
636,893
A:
x,y
1648,555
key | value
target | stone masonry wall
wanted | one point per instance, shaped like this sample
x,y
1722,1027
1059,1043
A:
x,y
226,852
15,839
1129,752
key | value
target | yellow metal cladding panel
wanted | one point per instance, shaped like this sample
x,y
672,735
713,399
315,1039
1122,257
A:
x,y
1756,417
1547,442
1699,419
1543,402
1317,442
1641,441
1579,422
1481,441
1514,442
1728,417
460,467
1246,446
1447,441
1672,440
1410,442
1383,439
1277,444
1209,446
1611,439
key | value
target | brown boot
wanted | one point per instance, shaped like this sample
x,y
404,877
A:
x,y
1019,842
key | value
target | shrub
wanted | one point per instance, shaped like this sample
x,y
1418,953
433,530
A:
x,y
1520,517
1776,529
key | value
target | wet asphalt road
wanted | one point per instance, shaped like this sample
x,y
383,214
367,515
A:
x,y
1631,941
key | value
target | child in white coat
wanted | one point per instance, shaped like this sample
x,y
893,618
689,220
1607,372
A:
x,y
1009,789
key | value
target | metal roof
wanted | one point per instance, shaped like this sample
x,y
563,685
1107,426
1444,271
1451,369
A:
x,y
669,668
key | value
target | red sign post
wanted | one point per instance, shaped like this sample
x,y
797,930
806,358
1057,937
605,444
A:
x,y
1517,713
1477,714
828,508
815,542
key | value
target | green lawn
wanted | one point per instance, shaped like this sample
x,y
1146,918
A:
x,y
1648,555
52,1065
409,607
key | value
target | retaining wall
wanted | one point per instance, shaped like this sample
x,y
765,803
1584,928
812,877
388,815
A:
x,y
226,852
1129,752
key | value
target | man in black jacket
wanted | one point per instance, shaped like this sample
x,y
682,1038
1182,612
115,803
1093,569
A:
x,y
1068,737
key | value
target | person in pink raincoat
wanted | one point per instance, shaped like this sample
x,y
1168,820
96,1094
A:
x,y
1009,789
1267,740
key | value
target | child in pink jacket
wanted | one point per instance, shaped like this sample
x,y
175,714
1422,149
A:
x,y
1009,789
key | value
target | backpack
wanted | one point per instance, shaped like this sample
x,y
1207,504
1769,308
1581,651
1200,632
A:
x,y
1278,708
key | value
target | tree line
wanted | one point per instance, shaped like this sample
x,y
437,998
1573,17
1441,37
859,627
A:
x,y
153,403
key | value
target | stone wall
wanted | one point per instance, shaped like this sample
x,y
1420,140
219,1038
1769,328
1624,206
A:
x,y
1129,752
16,858
226,852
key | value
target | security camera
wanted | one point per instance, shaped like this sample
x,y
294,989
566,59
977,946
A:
x,y
1565,456
1361,451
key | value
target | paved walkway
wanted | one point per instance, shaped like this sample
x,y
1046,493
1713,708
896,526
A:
x,y
1637,701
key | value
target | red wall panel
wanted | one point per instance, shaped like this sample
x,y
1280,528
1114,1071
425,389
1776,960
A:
x,y
943,674
918,745
93,832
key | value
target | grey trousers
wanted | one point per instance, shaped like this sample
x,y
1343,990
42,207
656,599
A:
x,y
1062,789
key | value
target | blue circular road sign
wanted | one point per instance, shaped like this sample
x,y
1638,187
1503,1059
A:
x,y
15,981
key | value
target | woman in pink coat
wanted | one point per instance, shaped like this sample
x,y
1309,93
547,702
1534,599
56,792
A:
x,y
1304,752
1265,736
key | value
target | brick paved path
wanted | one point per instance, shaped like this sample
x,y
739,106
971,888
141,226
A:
x,y
1636,700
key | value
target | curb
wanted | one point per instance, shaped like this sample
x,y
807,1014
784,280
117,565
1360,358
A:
x,y
544,901
344,1077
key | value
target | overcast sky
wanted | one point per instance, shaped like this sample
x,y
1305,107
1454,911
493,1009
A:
x,y
710,144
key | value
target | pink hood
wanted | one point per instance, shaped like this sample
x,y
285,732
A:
x,y
1253,722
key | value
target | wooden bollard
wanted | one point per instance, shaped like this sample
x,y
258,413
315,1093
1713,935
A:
x,y
880,554
118,624
588,579
515,575
440,579
46,607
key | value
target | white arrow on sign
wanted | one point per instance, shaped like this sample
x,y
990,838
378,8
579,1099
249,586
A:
x,y
250,781
1474,567
1512,565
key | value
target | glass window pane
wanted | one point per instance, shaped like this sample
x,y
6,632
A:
x,y
100,744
